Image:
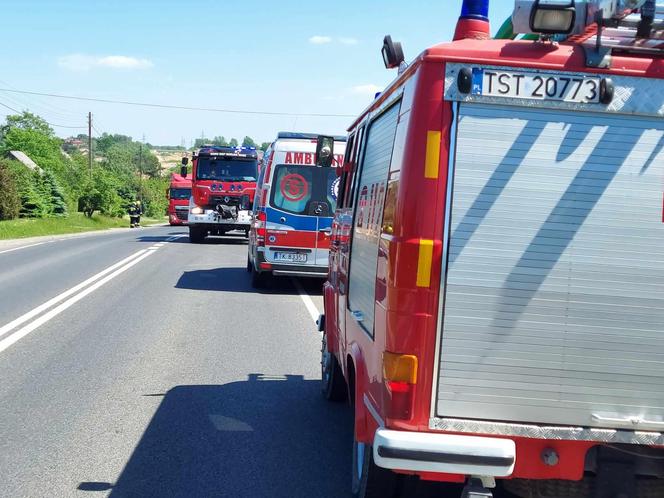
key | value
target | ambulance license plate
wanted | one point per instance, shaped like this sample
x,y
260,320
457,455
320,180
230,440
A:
x,y
291,257
536,86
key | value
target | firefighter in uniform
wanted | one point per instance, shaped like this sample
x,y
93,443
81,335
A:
x,y
135,214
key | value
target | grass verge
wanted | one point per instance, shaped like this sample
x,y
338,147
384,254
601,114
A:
x,y
75,223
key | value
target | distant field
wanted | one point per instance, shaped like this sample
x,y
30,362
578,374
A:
x,y
76,222
169,159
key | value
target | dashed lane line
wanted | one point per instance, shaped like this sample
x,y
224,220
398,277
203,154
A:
x,y
308,303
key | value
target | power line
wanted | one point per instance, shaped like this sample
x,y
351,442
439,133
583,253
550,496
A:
x,y
180,107
13,100
10,108
50,124
60,111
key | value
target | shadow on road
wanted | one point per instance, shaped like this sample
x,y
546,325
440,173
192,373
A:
x,y
239,280
263,437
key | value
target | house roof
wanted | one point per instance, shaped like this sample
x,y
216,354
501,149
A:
x,y
24,159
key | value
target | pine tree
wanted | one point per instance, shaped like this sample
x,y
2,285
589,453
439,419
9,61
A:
x,y
53,196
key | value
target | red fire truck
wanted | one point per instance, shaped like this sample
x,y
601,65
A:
x,y
223,188
494,309
178,194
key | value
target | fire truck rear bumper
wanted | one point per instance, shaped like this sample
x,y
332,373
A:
x,y
444,453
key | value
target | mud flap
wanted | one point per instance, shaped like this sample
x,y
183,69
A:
x,y
616,477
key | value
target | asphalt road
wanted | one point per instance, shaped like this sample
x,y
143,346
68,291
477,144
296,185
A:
x,y
164,374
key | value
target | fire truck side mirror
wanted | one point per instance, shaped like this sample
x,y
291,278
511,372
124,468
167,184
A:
x,y
324,151
183,169
392,53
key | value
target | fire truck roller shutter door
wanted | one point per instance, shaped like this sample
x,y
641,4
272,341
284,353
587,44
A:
x,y
368,216
554,306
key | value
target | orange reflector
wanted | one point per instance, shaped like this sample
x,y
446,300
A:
x,y
424,260
433,154
398,368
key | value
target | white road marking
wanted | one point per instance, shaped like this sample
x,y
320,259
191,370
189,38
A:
x,y
21,333
52,302
25,247
311,307
97,281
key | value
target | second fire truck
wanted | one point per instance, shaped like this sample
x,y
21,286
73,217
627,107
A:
x,y
223,188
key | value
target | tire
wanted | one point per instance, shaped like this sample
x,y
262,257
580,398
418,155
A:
x,y
196,235
371,481
258,279
333,384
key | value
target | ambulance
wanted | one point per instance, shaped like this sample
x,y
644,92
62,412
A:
x,y
295,200
494,309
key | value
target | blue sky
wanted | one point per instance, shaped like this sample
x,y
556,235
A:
x,y
286,56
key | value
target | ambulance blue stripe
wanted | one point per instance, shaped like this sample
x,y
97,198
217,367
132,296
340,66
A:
x,y
298,222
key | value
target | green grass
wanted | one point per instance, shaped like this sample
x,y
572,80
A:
x,y
75,223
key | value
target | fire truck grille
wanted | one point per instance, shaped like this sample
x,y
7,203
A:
x,y
181,214
525,488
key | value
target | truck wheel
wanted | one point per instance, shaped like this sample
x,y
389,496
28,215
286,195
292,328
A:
x,y
369,480
333,383
258,279
196,235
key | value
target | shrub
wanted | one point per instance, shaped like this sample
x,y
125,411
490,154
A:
x,y
10,201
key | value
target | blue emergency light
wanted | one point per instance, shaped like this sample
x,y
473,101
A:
x,y
475,9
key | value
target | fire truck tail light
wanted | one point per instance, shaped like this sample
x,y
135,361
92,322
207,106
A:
x,y
399,368
400,375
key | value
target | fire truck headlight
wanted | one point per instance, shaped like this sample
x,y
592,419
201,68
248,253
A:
x,y
553,16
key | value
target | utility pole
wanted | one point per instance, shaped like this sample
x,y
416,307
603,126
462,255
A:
x,y
90,143
140,172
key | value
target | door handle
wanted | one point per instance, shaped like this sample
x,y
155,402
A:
x,y
629,422
326,231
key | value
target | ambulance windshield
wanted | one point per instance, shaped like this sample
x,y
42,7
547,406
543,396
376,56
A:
x,y
230,169
306,190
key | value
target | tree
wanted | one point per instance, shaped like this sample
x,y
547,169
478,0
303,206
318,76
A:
x,y
52,194
106,141
27,121
233,142
265,145
248,142
10,202
101,194
220,141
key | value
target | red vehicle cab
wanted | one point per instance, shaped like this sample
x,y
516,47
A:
x,y
223,189
493,309
178,194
